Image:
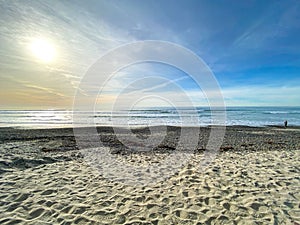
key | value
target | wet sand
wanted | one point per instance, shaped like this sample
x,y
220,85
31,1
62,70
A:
x,y
254,179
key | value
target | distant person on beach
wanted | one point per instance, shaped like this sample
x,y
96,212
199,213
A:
x,y
285,123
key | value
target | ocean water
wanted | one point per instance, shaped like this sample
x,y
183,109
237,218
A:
x,y
249,116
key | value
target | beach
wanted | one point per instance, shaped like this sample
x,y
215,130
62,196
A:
x,y
253,179
150,112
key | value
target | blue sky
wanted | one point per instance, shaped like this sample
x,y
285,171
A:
x,y
252,47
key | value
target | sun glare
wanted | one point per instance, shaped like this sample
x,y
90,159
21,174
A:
x,y
43,50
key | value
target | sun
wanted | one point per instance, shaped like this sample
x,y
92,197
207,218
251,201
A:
x,y
43,50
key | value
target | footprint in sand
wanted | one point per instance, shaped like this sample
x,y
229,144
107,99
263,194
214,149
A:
x,y
36,213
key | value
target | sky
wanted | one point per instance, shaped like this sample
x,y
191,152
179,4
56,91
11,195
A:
x,y
46,48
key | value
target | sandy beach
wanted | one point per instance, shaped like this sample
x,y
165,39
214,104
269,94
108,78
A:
x,y
150,112
254,179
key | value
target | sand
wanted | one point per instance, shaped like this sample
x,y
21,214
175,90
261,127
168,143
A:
x,y
253,180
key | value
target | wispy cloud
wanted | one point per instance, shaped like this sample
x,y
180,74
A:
x,y
79,38
249,53
47,90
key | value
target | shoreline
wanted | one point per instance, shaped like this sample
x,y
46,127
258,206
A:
x,y
11,134
144,126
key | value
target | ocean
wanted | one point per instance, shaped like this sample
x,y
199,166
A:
x,y
247,116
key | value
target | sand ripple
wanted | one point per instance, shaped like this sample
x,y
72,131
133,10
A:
x,y
237,188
